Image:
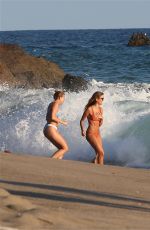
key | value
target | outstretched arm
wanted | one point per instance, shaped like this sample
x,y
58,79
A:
x,y
84,116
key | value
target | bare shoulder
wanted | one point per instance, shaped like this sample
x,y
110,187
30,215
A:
x,y
54,106
90,109
85,114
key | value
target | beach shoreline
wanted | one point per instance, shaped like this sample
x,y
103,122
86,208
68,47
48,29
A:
x,y
43,193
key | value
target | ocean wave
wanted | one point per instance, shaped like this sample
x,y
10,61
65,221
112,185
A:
x,y
125,130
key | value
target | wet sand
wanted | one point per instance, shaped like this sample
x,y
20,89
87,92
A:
x,y
43,193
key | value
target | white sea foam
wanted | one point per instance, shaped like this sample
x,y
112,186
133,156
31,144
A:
x,y
125,130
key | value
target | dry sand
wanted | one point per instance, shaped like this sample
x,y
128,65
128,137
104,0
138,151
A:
x,y
43,193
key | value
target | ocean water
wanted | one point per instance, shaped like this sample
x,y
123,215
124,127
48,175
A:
x,y
102,57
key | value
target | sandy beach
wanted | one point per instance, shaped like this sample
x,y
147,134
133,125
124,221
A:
x,y
43,193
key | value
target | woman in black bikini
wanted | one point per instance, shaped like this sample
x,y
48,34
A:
x,y
50,129
94,114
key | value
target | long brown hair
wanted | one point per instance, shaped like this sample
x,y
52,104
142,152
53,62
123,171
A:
x,y
92,100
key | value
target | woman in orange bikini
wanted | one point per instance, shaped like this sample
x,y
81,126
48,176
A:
x,y
50,129
94,114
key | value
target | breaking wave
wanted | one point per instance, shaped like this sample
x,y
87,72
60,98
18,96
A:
x,y
125,131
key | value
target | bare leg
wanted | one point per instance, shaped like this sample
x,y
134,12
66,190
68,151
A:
x,y
57,140
96,143
101,153
95,161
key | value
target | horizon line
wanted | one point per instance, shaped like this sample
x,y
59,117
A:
x,y
126,28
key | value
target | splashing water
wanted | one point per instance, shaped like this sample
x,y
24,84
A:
x,y
125,131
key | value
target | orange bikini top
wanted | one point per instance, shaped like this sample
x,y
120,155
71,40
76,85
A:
x,y
95,116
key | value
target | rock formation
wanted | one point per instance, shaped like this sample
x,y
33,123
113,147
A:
x,y
19,69
139,39
73,83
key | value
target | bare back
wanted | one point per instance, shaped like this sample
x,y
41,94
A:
x,y
49,114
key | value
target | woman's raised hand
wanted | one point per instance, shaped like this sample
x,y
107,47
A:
x,y
65,123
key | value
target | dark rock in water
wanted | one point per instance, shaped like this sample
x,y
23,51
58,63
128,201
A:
x,y
73,83
139,39
19,69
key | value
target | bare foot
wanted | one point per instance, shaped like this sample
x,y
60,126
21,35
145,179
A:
x,y
6,151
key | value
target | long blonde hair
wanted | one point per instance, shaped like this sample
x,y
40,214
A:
x,y
92,100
